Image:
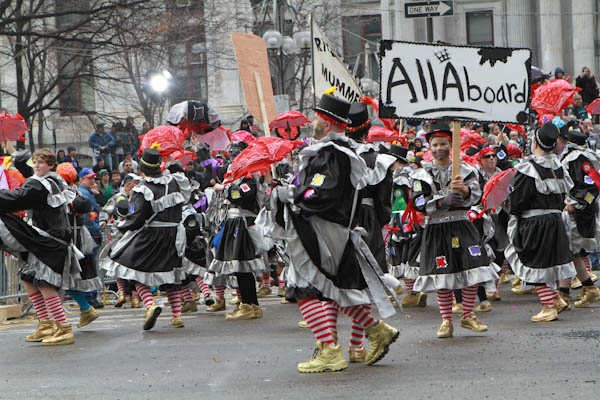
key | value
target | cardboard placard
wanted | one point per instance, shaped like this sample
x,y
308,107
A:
x,y
251,56
433,81
329,70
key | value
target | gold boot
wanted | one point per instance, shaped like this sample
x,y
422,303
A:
x,y
380,336
547,314
563,302
63,335
189,306
484,306
327,358
516,283
87,317
151,316
234,301
493,296
281,292
245,311
258,311
121,299
264,292
576,284
302,324
357,355
446,329
135,302
473,323
177,322
218,305
45,328
414,299
591,295
504,278
398,289
457,308
593,276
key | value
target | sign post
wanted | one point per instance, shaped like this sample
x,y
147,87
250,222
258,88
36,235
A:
x,y
460,83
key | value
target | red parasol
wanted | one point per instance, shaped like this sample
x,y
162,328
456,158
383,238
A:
x,y
594,107
217,139
12,127
242,136
553,96
184,157
170,138
470,138
287,119
497,189
381,134
259,156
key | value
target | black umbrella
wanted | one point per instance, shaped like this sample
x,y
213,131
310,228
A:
x,y
537,75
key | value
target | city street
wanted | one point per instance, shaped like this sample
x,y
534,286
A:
x,y
214,358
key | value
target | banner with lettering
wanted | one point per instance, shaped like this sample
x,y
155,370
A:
x,y
329,70
433,81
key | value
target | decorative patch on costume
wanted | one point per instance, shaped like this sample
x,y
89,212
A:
x,y
455,242
308,193
397,193
393,251
475,251
235,194
589,198
317,180
501,155
420,201
588,180
440,262
131,208
235,232
417,186
245,188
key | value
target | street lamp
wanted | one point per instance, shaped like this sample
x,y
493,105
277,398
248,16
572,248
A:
x,y
159,81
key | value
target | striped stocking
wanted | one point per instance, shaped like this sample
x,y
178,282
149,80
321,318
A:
x,y
174,296
409,284
37,300
330,308
314,315
361,315
145,294
546,295
468,300
444,297
220,292
203,286
55,308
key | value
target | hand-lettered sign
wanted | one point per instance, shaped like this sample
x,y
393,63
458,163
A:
x,y
432,81
329,70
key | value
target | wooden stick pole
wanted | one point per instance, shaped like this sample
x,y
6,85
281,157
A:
x,y
263,108
455,149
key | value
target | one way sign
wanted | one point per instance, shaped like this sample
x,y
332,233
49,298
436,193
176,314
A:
x,y
428,9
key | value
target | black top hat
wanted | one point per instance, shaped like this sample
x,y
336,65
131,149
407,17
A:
x,y
399,152
334,107
546,136
439,126
358,115
577,136
150,162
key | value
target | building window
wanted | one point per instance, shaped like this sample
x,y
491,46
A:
x,y
480,28
361,38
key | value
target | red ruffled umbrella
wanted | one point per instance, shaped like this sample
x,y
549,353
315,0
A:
x,y
217,139
553,96
12,127
287,123
259,156
242,136
170,138
469,138
381,134
183,156
594,107
497,189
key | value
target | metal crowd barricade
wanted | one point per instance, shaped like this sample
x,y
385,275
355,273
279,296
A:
x,y
10,288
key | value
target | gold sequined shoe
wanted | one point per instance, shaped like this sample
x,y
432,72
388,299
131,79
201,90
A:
x,y
263,292
504,278
547,314
516,283
196,296
563,302
234,301
177,322
283,301
593,276
302,324
484,306
189,306
473,323
87,317
218,305
45,328
414,299
62,336
446,330
135,302
244,312
493,296
591,295
326,358
151,316
398,289
281,292
258,311
520,291
457,308
380,336
357,355
576,284
121,299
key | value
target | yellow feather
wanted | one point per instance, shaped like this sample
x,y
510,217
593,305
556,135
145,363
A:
x,y
155,146
331,90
